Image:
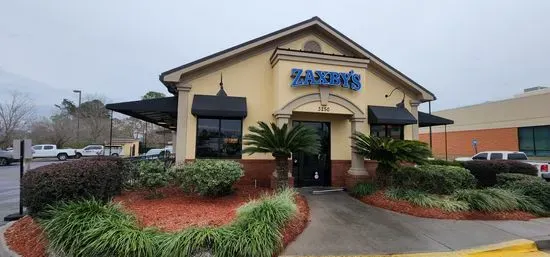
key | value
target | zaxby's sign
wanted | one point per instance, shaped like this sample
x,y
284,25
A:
x,y
349,79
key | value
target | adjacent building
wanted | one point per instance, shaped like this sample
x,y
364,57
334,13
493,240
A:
x,y
519,123
307,73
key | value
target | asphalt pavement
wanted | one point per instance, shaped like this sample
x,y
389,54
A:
x,y
9,187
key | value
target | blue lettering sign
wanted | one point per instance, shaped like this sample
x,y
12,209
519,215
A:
x,y
349,79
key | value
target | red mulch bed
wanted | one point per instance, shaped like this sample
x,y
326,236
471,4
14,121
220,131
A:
x,y
178,210
25,238
380,200
174,212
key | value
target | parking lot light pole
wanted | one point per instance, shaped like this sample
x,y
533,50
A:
x,y
79,92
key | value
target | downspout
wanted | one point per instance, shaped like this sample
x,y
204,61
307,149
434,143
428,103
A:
x,y
430,112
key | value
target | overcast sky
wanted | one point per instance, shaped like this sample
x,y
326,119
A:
x,y
465,52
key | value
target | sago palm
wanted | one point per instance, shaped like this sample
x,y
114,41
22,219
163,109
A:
x,y
389,153
281,142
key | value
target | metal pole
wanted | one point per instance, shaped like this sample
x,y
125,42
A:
x,y
78,114
430,111
21,170
145,137
111,135
446,156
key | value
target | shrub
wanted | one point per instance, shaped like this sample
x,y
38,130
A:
x,y
535,188
521,168
99,178
427,200
507,178
496,199
209,177
435,179
444,162
92,228
486,171
363,189
153,175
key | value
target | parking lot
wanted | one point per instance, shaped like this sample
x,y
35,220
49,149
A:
x,y
9,187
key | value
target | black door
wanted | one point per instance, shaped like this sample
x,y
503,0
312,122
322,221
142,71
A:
x,y
313,169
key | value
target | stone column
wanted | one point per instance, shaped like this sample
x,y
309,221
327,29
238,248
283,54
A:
x,y
174,142
183,113
281,119
357,173
414,111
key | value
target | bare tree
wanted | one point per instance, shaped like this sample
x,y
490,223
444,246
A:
x,y
57,130
15,115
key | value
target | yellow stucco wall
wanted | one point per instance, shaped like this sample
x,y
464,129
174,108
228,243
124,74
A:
x,y
267,89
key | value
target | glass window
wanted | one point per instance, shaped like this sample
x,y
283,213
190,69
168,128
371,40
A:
x,y
534,141
218,138
480,156
496,156
393,131
378,130
48,147
517,156
37,147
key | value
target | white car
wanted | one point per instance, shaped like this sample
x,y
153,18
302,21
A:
x,y
51,151
98,150
542,167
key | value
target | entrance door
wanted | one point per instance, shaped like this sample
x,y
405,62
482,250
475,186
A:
x,y
313,169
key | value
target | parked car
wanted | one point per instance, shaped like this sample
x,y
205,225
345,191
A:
x,y
51,151
157,153
6,158
97,150
542,167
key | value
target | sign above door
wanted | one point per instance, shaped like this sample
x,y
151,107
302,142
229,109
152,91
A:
x,y
349,79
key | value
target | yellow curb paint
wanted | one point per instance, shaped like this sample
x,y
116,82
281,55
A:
x,y
519,248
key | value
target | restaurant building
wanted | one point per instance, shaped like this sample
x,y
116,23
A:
x,y
307,73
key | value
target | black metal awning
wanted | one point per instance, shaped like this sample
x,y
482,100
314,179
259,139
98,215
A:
x,y
219,106
390,115
161,111
426,120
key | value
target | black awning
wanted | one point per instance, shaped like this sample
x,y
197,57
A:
x,y
219,106
390,115
161,111
426,120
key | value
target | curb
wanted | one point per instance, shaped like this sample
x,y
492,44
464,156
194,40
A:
x,y
4,249
520,247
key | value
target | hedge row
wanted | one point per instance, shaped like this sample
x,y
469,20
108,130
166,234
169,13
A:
x,y
92,228
99,178
486,171
434,179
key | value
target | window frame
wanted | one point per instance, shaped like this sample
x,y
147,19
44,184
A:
x,y
236,157
48,147
500,156
486,156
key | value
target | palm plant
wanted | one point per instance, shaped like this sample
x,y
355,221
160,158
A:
x,y
281,142
389,153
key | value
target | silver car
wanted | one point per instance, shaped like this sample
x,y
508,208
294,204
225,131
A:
x,y
6,158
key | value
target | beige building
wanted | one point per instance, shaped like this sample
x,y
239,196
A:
x,y
307,73
519,123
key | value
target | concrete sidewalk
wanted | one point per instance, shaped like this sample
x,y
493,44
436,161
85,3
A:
x,y
342,225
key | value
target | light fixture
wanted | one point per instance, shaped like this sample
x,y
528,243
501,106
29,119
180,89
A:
x,y
400,104
172,127
161,123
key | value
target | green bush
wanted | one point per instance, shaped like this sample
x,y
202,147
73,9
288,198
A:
x,y
535,188
486,171
209,177
521,168
444,162
363,189
100,178
427,200
497,199
153,175
435,179
507,178
92,228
